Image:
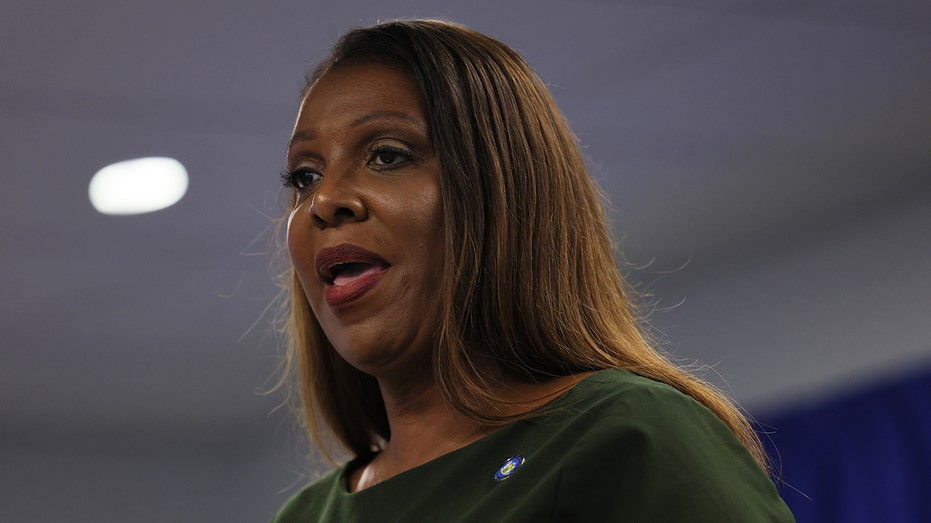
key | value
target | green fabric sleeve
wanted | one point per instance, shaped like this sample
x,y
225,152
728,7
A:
x,y
657,455
617,447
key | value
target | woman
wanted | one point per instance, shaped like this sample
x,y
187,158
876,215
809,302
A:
x,y
457,320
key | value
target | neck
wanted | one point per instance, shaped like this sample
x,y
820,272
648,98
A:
x,y
424,426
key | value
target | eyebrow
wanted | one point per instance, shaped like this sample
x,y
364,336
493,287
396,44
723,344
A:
x,y
304,136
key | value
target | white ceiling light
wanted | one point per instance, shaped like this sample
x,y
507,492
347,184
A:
x,y
138,186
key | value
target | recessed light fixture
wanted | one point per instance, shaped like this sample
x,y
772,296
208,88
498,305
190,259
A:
x,y
138,186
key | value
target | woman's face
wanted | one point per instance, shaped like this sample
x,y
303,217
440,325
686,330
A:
x,y
366,232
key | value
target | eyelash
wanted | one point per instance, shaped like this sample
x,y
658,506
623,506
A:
x,y
377,150
293,178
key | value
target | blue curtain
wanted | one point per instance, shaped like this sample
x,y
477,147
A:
x,y
865,457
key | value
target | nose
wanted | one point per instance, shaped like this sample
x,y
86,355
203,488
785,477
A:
x,y
336,200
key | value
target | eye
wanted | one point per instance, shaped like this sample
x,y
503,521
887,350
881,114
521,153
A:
x,y
300,178
389,156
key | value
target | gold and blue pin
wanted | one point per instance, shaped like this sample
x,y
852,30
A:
x,y
508,468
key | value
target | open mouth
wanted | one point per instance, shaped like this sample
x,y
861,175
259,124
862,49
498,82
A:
x,y
347,273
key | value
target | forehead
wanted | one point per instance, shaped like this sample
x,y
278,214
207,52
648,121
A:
x,y
349,91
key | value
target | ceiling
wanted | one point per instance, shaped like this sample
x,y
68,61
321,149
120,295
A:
x,y
733,125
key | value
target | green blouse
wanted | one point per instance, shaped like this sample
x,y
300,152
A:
x,y
617,447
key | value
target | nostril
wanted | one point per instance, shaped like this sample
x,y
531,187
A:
x,y
318,221
332,206
345,212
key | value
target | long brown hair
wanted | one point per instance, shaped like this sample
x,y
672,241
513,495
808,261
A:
x,y
530,281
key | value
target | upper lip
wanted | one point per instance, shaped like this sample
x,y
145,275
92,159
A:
x,y
329,258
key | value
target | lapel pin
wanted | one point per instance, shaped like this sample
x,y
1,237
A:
x,y
508,468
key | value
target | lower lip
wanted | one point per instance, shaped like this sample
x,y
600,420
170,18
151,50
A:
x,y
337,295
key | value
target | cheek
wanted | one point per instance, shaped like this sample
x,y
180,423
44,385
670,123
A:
x,y
426,216
438,236
290,232
299,248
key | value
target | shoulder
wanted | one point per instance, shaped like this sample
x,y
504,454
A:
x,y
622,398
622,407
655,454
313,499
